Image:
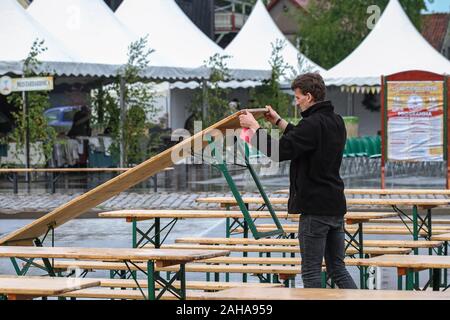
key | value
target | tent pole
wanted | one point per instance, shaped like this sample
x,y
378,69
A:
x,y
122,122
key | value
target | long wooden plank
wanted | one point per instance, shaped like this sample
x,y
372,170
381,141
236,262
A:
x,y
187,214
322,294
377,202
43,287
408,261
436,192
207,214
126,180
110,254
294,242
442,237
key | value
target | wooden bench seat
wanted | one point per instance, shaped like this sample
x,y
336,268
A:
x,y
322,294
294,242
20,288
442,237
105,293
436,222
392,230
190,285
367,226
131,284
193,267
287,249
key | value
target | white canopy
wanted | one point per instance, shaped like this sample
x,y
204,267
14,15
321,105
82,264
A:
x,y
171,33
394,45
19,31
252,47
87,27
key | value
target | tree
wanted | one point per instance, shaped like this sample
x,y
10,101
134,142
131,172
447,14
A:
x,y
210,103
270,93
37,103
331,30
139,102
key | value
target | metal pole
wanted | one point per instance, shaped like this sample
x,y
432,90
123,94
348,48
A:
x,y
122,122
205,99
27,136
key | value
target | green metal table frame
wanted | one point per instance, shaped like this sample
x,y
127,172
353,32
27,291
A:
x,y
153,276
420,224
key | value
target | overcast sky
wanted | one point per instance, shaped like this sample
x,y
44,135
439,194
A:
x,y
439,6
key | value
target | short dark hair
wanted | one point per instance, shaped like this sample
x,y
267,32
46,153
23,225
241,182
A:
x,y
311,83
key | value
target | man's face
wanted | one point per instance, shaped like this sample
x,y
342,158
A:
x,y
303,101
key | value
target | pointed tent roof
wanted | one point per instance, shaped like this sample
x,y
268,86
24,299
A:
x,y
87,27
394,45
252,47
171,33
18,32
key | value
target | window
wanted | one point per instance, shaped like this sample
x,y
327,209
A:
x,y
52,116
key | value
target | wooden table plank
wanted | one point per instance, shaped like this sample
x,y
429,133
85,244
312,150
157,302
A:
x,y
43,287
187,214
110,254
206,214
443,192
378,202
408,261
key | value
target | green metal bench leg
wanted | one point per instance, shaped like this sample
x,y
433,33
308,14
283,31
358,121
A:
x,y
399,282
324,279
151,295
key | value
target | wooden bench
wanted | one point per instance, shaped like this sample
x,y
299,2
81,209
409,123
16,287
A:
x,y
442,237
434,192
406,265
378,229
15,288
399,221
294,242
111,294
192,267
423,203
322,294
280,249
131,284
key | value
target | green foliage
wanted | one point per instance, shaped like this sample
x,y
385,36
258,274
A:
x,y
331,30
139,99
37,103
212,97
270,93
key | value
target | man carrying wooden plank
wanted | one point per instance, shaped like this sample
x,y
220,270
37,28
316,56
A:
x,y
315,147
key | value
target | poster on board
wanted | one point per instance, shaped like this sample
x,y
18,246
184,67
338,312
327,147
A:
x,y
415,121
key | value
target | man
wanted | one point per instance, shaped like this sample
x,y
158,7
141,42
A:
x,y
81,123
315,147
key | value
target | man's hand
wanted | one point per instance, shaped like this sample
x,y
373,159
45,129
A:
x,y
247,120
271,115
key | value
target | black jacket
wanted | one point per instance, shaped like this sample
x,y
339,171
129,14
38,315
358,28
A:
x,y
315,147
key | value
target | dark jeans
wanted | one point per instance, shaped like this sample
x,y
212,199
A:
x,y
323,237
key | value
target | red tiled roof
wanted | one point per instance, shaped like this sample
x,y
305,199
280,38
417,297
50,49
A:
x,y
434,28
298,3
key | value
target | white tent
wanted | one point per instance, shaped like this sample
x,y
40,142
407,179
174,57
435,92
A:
x,y
171,33
394,45
87,27
19,31
252,47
